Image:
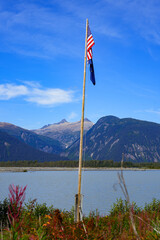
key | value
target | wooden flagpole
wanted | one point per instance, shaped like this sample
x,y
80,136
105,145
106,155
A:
x,y
81,134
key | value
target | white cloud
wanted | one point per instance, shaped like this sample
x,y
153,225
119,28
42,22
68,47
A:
x,y
153,111
32,84
38,31
141,16
72,115
120,18
8,91
50,96
100,19
33,92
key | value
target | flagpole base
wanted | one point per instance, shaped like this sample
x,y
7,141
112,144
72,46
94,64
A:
x,y
76,212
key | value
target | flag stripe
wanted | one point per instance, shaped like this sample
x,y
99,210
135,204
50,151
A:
x,y
89,54
90,42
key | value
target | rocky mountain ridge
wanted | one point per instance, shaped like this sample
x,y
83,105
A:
x,y
65,132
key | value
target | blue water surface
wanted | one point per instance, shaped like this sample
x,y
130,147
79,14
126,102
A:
x,y
100,188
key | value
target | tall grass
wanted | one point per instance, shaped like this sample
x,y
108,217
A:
x,y
37,221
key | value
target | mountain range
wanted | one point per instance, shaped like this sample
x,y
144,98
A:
x,y
112,136
12,149
17,143
107,139
38,142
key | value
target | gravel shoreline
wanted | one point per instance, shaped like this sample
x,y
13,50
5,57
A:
x,y
26,169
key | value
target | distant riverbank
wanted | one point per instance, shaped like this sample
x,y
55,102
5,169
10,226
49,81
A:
x,y
26,169
72,165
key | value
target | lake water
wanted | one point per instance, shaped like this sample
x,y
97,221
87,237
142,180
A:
x,y
100,188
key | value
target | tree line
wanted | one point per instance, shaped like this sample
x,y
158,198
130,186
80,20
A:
x,y
74,163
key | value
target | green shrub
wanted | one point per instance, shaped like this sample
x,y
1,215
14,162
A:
x,y
121,206
3,211
153,206
42,209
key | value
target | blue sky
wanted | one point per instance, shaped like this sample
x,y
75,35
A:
x,y
42,59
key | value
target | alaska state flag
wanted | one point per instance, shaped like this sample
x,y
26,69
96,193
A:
x,y
90,43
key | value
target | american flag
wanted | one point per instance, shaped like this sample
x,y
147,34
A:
x,y
90,43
